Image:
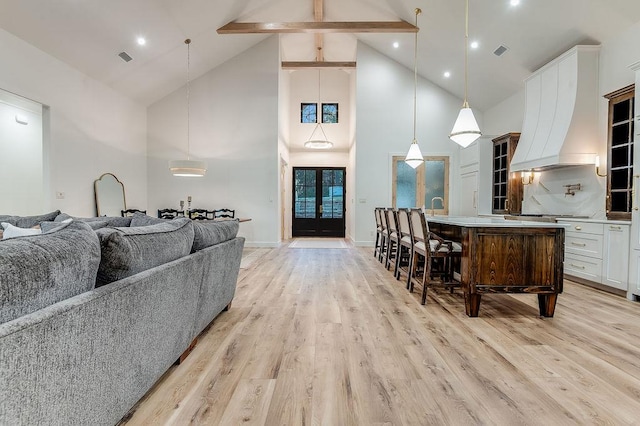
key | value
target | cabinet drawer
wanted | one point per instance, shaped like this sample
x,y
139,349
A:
x,y
584,227
583,267
583,244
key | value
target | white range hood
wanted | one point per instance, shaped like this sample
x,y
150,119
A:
x,y
561,113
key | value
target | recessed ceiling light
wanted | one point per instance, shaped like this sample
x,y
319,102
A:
x,y
474,44
396,44
515,2
141,41
447,74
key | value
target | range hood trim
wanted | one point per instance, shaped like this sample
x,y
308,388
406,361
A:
x,y
561,113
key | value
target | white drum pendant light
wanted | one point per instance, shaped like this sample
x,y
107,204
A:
x,y
188,167
414,156
465,130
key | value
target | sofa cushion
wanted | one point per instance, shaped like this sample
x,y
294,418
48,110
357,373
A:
x,y
141,219
207,234
11,231
39,270
110,220
129,250
29,221
55,226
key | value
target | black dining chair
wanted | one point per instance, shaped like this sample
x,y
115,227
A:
x,y
170,213
131,212
225,213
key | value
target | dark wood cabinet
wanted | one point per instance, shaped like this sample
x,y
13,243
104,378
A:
x,y
507,187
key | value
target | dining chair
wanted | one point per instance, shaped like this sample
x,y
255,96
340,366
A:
x,y
170,213
131,212
427,248
224,213
201,214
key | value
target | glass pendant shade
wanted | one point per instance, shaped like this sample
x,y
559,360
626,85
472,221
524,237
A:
x,y
414,156
465,130
188,168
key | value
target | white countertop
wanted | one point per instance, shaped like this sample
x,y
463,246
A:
x,y
483,222
605,221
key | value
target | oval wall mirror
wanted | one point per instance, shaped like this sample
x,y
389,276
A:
x,y
109,191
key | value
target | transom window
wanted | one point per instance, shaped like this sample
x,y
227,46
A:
x,y
329,113
308,113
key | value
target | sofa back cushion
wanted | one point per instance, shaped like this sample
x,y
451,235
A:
x,y
28,221
207,234
40,270
110,220
129,250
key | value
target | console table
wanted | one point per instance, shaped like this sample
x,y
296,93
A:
x,y
504,256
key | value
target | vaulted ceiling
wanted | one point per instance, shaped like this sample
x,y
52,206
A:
x,y
89,34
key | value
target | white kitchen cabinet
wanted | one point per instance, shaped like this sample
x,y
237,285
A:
x,y
615,262
597,251
634,254
469,194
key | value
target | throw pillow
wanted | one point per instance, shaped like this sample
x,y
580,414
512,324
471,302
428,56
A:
x,y
29,221
141,219
126,251
47,227
11,231
110,220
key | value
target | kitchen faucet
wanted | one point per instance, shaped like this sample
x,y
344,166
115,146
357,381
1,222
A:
x,y
432,200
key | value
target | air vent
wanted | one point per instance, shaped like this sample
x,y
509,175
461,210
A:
x,y
125,56
500,50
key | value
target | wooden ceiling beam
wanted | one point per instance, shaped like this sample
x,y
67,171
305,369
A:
x,y
317,27
292,65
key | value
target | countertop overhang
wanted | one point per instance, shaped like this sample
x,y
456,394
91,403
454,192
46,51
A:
x,y
484,222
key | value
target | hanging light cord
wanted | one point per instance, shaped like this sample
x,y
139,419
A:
x,y
415,76
188,42
466,52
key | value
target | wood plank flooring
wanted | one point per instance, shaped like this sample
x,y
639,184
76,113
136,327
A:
x,y
329,337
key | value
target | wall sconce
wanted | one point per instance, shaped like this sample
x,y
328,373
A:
x,y
527,178
597,164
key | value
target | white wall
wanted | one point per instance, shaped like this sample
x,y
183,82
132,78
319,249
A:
x,y
384,127
334,88
89,128
21,155
234,128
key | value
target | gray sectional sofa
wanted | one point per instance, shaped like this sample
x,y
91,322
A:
x,y
92,312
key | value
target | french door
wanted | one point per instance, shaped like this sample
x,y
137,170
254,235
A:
x,y
318,202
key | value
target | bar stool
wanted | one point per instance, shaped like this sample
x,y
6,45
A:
x,y
381,234
404,257
429,246
392,238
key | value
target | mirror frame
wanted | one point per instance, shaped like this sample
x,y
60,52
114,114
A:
x,y
97,182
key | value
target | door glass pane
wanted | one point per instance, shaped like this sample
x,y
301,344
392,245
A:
x,y
332,194
305,194
434,183
405,186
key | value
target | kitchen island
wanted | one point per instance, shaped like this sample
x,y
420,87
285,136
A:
x,y
506,256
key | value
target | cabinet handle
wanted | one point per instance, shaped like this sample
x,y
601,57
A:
x,y
506,205
615,228
633,193
576,266
578,228
578,244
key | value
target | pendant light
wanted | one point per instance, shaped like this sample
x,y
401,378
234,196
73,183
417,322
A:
x,y
188,167
414,156
318,142
465,130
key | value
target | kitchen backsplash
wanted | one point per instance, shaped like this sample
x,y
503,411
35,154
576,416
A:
x,y
548,193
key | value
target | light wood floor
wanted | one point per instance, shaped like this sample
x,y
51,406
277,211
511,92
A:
x,y
329,337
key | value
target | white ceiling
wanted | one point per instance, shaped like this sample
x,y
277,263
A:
x,y
88,35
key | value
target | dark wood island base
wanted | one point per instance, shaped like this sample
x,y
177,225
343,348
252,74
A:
x,y
500,256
